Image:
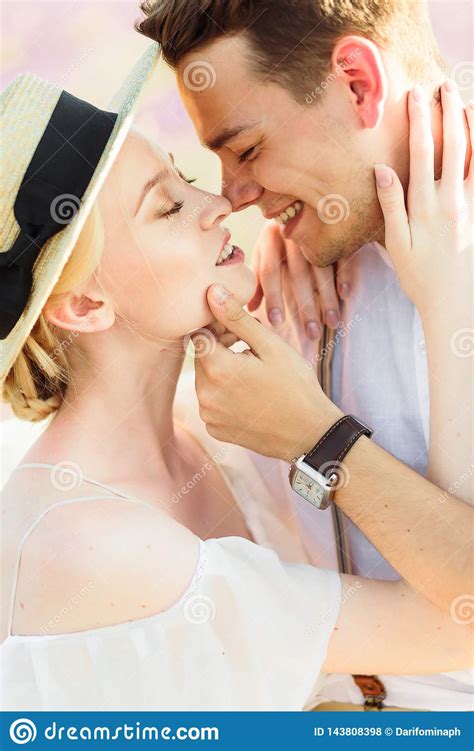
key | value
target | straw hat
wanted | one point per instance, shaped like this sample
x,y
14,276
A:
x,y
56,151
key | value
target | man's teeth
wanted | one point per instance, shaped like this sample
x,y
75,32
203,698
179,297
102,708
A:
x,y
225,253
289,213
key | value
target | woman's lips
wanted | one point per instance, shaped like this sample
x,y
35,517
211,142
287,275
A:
x,y
288,228
238,256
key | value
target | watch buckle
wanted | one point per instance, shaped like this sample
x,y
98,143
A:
x,y
333,479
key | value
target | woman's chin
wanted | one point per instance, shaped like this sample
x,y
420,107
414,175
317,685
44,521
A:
x,y
241,284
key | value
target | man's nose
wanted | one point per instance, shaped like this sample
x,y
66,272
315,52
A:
x,y
240,191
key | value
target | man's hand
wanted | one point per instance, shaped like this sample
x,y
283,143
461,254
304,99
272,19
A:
x,y
314,289
266,398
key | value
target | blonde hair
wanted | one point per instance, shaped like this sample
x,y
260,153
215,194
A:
x,y
36,384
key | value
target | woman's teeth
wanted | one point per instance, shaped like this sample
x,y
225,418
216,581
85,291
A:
x,y
225,253
289,213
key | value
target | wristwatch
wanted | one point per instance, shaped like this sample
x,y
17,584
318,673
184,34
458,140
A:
x,y
317,475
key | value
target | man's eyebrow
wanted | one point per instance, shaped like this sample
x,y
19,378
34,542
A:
x,y
223,138
151,184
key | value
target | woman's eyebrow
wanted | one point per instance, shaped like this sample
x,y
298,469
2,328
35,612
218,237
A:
x,y
151,184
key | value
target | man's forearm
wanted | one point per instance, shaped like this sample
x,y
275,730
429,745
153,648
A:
x,y
450,368
268,400
424,534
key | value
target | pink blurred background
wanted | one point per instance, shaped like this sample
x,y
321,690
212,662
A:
x,y
87,47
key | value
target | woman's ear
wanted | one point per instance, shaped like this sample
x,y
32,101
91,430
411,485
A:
x,y
86,313
357,63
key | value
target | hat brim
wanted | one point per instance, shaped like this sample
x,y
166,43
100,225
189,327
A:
x,y
57,251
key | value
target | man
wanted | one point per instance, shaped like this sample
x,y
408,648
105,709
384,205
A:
x,y
299,102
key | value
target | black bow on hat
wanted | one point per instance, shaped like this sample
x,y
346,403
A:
x,y
50,194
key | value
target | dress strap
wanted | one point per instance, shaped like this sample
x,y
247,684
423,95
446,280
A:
x,y
101,497
61,469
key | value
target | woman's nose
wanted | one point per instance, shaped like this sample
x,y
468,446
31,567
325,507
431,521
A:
x,y
217,209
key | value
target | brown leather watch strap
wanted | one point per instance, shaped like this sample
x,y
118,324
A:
x,y
373,691
331,449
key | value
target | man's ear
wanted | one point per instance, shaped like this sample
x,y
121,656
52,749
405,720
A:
x,y
358,65
86,313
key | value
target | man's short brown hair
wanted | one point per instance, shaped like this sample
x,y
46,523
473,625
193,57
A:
x,y
291,41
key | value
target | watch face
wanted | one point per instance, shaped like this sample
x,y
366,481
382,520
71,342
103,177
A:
x,y
308,488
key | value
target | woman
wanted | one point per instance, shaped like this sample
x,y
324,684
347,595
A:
x,y
137,574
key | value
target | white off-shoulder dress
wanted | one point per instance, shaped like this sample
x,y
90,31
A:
x,y
249,633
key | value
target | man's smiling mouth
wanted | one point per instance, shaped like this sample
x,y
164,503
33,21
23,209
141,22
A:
x,y
289,213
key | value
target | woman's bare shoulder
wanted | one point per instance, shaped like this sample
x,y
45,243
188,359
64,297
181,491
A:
x,y
97,563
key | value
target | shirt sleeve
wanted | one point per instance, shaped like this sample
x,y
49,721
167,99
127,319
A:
x,y
275,618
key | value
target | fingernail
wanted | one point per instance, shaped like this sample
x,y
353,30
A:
x,y
275,316
344,290
418,93
449,85
219,294
313,330
332,319
383,176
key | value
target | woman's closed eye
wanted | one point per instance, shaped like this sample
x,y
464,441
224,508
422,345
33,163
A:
x,y
160,212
